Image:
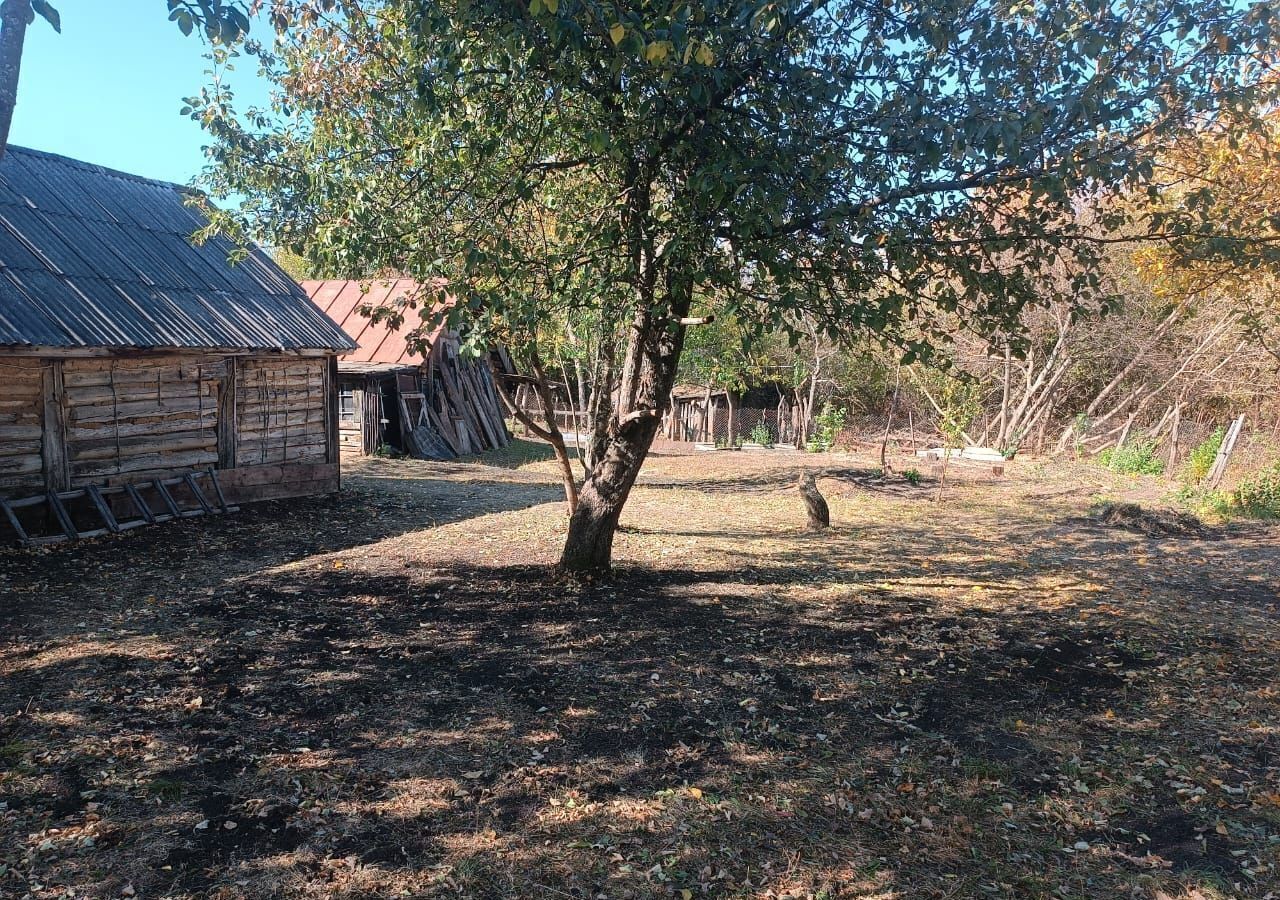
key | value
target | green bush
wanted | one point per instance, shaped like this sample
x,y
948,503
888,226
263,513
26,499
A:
x,y
1259,494
912,476
1133,459
762,435
827,427
1201,459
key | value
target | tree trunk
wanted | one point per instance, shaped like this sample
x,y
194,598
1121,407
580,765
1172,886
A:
x,y
600,404
15,16
648,375
731,436
588,548
885,467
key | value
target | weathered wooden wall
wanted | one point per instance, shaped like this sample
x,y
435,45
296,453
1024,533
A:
x,y
270,424
281,411
21,399
128,419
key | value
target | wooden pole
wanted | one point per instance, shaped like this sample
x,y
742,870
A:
x,y
1219,468
53,446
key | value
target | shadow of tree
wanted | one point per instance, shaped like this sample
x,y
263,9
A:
x,y
495,732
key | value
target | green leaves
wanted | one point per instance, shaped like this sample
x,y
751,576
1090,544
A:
x,y
222,21
879,170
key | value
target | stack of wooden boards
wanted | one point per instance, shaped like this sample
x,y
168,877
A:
x,y
452,409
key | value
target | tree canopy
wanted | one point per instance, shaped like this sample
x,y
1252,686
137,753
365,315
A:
x,y
850,164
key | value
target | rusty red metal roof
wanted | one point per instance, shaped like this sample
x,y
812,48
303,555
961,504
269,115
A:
x,y
341,300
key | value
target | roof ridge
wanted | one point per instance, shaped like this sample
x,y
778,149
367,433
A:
x,y
102,170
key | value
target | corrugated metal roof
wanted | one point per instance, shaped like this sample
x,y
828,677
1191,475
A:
x,y
341,299
91,257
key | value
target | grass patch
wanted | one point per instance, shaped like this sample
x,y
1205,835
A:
x,y
1133,459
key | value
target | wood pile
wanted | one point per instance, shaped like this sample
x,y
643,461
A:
x,y
455,411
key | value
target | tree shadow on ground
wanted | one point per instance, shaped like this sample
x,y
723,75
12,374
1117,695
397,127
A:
x,y
495,732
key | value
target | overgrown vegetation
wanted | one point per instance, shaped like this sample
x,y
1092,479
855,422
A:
x,y
828,425
761,434
1258,495
1133,459
1201,459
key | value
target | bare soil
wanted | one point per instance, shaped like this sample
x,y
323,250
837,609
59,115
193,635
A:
x,y
991,694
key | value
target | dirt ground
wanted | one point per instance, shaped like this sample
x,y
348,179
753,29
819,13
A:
x,y
384,694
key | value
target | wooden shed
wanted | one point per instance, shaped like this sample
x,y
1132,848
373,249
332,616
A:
x,y
127,353
433,405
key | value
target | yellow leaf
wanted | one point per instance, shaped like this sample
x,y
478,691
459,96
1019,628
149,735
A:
x,y
656,51
686,894
696,792
617,33
339,564
551,5
705,55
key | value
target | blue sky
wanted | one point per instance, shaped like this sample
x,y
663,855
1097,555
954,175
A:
x,y
108,89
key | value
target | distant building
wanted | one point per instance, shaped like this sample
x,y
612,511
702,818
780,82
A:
x,y
434,405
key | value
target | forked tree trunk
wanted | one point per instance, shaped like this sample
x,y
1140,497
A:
x,y
15,16
644,393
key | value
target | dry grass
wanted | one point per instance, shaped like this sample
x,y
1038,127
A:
x,y
385,695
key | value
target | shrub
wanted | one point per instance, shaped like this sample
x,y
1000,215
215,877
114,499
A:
x,y
1201,459
912,476
827,427
762,435
1133,459
1259,494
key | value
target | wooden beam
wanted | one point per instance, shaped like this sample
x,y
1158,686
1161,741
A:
x,y
60,513
13,521
228,431
53,441
334,449
103,510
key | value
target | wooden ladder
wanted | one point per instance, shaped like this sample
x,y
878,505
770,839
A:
x,y
97,496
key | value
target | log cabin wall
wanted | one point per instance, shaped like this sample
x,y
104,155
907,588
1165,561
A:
x,y
21,407
281,411
130,419
269,424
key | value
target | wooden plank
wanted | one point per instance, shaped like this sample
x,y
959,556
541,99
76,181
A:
x,y
53,450
144,509
194,459
217,490
333,448
103,510
227,422
176,424
126,448
60,513
190,482
13,521
167,499
133,409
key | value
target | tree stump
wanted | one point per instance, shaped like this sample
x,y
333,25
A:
x,y
814,503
